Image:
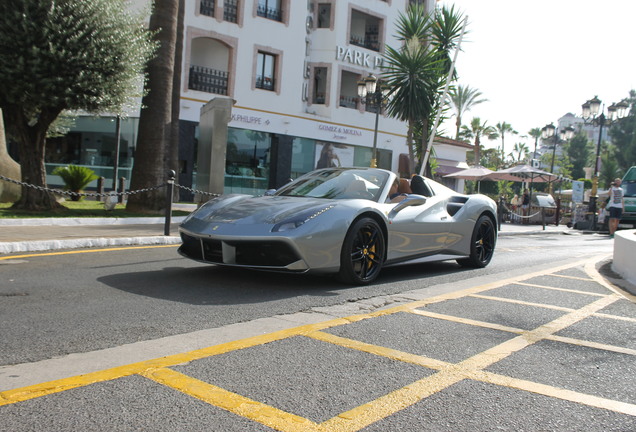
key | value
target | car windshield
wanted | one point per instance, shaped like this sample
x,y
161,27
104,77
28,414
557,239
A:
x,y
338,183
629,188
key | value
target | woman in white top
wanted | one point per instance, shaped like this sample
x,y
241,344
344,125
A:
x,y
615,206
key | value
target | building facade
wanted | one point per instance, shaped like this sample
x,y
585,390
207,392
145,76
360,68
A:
x,y
291,70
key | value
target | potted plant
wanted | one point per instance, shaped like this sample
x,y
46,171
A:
x,y
76,178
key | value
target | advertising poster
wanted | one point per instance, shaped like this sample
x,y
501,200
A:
x,y
577,191
330,155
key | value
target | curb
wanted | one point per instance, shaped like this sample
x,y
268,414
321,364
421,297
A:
x,y
49,245
88,221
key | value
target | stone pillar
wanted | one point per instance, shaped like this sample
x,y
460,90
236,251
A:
x,y
9,192
280,161
213,131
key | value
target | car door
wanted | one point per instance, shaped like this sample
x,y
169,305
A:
x,y
419,230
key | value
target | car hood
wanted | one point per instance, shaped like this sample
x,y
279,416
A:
x,y
261,210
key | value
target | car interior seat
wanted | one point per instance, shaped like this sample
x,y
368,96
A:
x,y
419,186
404,187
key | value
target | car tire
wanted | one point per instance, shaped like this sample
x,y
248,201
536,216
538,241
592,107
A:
x,y
362,253
482,244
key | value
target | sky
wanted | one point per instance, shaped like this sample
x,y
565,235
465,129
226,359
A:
x,y
535,61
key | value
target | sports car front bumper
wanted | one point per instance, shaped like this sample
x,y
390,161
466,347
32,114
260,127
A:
x,y
266,254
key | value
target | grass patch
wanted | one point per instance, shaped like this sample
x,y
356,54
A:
x,y
79,209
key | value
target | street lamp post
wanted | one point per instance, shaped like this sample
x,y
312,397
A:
x,y
564,134
374,92
591,115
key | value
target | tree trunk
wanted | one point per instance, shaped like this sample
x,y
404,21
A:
x,y
155,120
32,159
477,155
9,192
409,141
173,147
458,125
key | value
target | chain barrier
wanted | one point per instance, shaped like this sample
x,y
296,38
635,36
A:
x,y
106,194
84,194
517,215
194,191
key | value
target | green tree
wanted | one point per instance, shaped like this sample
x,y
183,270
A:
x,y
519,152
157,118
609,167
536,134
462,99
623,134
475,132
578,152
504,128
64,55
416,72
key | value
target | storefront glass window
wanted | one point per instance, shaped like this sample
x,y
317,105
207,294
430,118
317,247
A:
x,y
92,142
302,156
247,161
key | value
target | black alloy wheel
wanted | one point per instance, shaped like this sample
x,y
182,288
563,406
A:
x,y
362,252
482,245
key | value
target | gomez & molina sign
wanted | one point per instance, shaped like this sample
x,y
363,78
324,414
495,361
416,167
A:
x,y
357,57
339,132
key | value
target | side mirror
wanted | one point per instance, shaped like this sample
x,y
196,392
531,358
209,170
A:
x,y
269,192
409,201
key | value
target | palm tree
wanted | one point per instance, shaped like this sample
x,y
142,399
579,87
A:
x,y
476,131
156,116
502,129
536,134
462,99
519,152
417,71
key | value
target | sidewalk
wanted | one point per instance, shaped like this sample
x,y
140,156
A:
x,y
31,235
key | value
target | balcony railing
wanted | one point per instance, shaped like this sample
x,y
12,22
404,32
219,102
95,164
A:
x,y
208,80
269,12
349,101
370,40
265,83
207,7
230,10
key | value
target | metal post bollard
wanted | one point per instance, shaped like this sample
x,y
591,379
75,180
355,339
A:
x,y
100,188
122,189
169,192
543,217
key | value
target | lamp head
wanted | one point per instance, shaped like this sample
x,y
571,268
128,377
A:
x,y
370,82
595,105
548,131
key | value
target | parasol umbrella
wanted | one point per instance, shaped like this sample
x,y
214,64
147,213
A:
x,y
522,173
476,173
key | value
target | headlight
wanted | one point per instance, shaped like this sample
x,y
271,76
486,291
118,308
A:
x,y
300,219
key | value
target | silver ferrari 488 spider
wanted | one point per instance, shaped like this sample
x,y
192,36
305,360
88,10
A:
x,y
343,221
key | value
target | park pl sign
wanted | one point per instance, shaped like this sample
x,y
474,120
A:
x,y
357,57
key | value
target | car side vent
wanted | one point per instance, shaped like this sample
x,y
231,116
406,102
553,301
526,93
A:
x,y
455,204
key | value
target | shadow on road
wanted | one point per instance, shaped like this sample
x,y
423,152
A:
x,y
213,285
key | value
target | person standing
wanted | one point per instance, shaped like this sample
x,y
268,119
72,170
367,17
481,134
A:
x,y
525,206
615,206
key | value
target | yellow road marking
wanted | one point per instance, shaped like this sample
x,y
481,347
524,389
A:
x,y
232,402
468,321
573,277
521,302
559,393
80,251
384,406
575,291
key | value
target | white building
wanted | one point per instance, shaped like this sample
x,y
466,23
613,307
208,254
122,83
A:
x,y
291,69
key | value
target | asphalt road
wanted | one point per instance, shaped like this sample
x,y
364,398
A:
x,y
467,360
79,302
